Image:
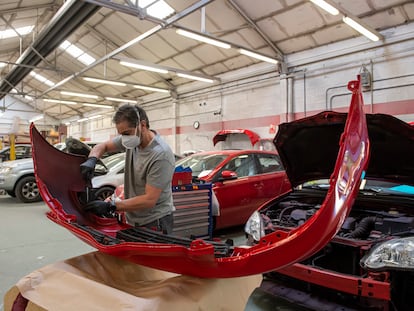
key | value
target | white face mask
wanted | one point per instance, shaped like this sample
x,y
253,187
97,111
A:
x,y
131,141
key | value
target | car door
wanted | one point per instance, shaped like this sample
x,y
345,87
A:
x,y
238,197
273,179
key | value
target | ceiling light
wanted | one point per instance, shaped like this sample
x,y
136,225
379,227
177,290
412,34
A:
x,y
79,94
58,101
187,76
143,67
36,118
258,56
104,81
201,38
149,88
82,120
122,100
1,113
94,117
98,106
2,65
326,6
361,29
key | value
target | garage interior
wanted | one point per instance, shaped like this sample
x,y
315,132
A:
x,y
196,67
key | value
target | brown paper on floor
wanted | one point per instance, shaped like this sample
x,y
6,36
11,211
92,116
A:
x,y
96,281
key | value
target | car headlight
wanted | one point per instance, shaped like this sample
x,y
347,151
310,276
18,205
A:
x,y
395,253
254,226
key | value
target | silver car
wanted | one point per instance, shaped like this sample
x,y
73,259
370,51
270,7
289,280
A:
x,y
108,176
18,180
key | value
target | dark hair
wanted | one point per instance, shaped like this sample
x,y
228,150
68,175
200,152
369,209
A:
x,y
130,114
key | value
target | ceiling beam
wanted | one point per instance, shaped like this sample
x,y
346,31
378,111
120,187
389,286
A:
x,y
68,18
192,8
252,24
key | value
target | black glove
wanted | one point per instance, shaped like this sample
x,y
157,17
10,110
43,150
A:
x,y
87,168
101,208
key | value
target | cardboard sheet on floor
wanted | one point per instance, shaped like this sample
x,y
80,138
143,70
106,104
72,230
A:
x,y
96,281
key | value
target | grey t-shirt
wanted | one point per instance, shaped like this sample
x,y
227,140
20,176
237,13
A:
x,y
153,165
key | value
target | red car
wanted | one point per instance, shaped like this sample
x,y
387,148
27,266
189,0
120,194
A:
x,y
205,258
368,261
242,180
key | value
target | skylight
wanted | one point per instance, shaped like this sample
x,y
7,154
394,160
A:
x,y
41,79
10,33
77,53
159,9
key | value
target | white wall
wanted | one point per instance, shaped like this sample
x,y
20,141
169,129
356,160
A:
x,y
258,97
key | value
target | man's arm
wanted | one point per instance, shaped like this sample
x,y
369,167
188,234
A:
x,y
99,149
87,168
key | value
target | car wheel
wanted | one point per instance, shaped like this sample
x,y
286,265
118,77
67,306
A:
x,y
103,193
11,193
27,191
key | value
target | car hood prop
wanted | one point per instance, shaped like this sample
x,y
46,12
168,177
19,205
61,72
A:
x,y
59,180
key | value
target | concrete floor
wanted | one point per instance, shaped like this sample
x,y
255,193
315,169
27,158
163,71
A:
x,y
28,241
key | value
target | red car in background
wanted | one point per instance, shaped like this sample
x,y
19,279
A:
x,y
241,180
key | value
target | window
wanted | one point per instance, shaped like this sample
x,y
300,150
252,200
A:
x,y
243,165
270,163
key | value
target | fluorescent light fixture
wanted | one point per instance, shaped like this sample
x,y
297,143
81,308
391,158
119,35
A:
x,y
79,94
67,123
122,100
326,6
77,53
58,101
21,31
143,67
89,118
201,38
98,106
258,56
1,113
361,29
94,117
187,76
149,88
2,65
104,81
42,79
36,118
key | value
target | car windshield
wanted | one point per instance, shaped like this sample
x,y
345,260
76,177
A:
x,y
201,164
110,163
370,187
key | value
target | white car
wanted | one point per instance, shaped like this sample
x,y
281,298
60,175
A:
x,y
108,176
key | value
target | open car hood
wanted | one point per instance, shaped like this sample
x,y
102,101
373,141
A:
x,y
223,134
197,257
309,147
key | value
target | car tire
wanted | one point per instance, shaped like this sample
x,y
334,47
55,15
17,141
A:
x,y
104,192
27,191
11,193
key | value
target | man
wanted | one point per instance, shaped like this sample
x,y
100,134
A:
x,y
149,167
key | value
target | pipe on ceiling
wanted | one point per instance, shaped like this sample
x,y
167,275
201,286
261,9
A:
x,y
69,17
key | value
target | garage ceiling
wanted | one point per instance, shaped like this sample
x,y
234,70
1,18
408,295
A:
x,y
104,30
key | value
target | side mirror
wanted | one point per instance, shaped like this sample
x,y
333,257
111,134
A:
x,y
228,175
